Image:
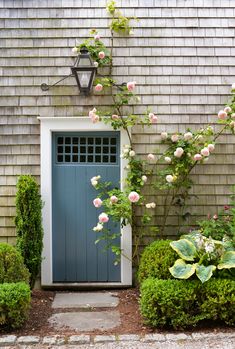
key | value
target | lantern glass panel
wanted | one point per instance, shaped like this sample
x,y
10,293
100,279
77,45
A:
x,y
84,77
84,62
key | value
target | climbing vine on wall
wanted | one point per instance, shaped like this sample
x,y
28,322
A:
x,y
184,150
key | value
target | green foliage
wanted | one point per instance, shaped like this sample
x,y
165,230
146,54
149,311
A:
x,y
119,24
12,268
156,260
171,303
217,299
14,304
29,224
205,253
181,304
221,226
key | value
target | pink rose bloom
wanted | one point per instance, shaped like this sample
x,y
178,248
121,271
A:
x,y
153,118
197,157
103,218
205,152
92,112
179,152
211,147
168,159
188,136
101,55
151,157
131,85
97,37
133,196
175,138
222,114
115,117
227,110
164,136
97,202
98,87
95,118
113,199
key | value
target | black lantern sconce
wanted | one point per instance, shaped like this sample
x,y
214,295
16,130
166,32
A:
x,y
84,71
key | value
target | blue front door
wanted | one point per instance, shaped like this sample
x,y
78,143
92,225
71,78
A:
x,y
77,157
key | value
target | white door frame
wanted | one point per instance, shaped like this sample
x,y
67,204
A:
x,y
75,124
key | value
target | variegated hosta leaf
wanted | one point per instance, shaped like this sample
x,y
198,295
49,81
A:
x,y
181,270
185,249
227,261
204,273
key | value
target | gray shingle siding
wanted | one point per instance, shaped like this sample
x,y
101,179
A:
x,y
181,55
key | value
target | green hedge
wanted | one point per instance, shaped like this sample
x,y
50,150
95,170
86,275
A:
x,y
12,268
183,303
14,303
156,260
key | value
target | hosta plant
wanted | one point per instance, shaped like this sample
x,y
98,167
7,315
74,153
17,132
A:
x,y
201,256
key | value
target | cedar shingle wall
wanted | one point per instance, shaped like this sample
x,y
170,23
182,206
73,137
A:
x,y
182,56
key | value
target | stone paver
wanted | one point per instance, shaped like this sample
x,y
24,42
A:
x,y
7,340
86,321
85,300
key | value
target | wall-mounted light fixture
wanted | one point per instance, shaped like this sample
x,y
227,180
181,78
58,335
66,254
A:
x,y
84,71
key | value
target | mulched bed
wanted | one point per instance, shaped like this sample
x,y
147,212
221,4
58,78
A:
x,y
131,321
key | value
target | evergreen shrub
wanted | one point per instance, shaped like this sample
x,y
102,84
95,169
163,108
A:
x,y
156,260
29,224
14,303
12,268
184,303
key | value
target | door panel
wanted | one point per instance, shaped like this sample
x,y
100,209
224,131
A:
x,y
76,257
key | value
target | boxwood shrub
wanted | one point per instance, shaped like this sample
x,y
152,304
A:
x,y
12,268
14,303
156,260
183,303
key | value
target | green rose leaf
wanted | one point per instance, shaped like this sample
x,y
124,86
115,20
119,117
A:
x,y
185,249
204,273
181,270
227,261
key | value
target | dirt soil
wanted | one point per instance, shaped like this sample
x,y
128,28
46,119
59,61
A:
x,y
131,321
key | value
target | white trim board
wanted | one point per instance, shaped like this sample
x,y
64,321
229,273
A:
x,y
75,124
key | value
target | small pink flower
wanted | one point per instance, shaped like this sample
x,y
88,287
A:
x,y
115,117
92,112
215,217
151,157
98,87
205,152
168,159
95,118
153,118
164,136
227,110
101,55
197,157
113,199
175,138
211,147
133,196
97,202
131,85
97,37
188,136
222,114
103,218
226,207
179,152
